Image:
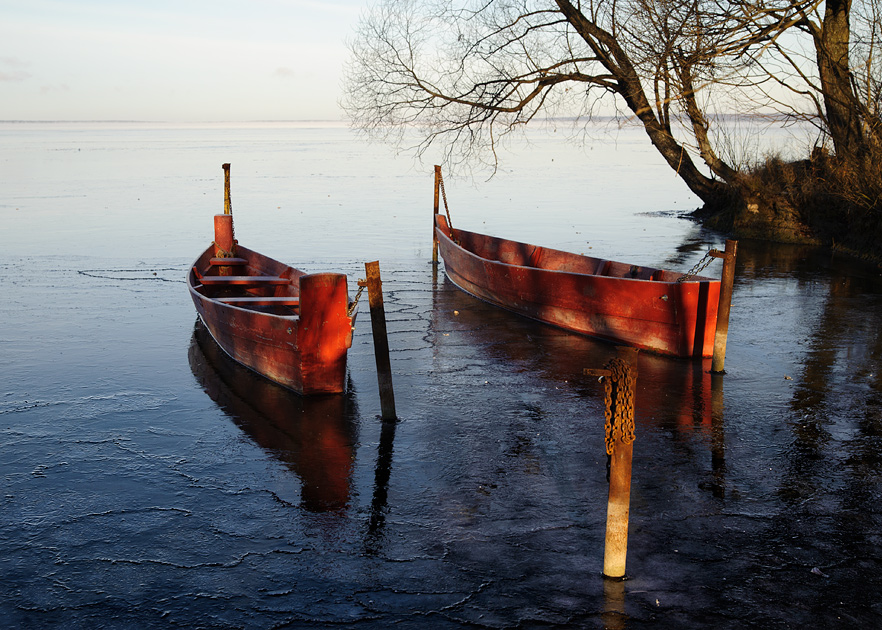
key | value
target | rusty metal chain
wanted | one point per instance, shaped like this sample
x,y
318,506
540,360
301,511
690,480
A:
x,y
700,266
354,304
444,197
619,404
220,252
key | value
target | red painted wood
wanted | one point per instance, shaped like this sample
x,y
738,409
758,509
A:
x,y
261,301
224,244
224,240
642,307
228,261
254,281
305,352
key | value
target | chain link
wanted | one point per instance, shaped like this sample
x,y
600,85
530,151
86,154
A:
x,y
444,197
354,304
619,404
220,252
700,266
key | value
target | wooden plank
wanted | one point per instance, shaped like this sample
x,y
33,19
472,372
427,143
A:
x,y
227,261
261,301
243,280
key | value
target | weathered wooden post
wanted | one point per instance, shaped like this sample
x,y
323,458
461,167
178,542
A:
x,y
726,282
620,378
381,341
437,194
228,206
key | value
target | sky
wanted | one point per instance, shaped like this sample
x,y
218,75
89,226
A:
x,y
177,60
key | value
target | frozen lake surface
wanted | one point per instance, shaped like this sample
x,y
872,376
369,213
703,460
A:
x,y
148,481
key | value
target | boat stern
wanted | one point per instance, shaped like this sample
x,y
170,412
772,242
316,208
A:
x,y
325,331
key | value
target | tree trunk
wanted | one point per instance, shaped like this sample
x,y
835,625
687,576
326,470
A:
x,y
630,88
709,190
831,47
700,126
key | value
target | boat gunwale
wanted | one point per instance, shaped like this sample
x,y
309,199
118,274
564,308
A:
x,y
443,228
192,280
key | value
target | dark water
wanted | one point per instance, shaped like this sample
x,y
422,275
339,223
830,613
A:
x,y
150,482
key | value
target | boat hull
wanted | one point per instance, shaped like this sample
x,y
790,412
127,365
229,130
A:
x,y
302,348
640,307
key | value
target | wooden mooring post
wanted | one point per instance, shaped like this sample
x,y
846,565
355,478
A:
x,y
437,207
727,280
381,341
621,375
228,205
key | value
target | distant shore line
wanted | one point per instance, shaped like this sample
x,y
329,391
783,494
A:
x,y
181,123
769,118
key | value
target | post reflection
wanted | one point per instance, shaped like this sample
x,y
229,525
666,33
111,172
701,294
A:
x,y
376,525
313,436
835,399
613,616
718,437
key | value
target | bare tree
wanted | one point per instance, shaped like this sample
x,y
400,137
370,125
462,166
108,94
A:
x,y
469,73
840,80
472,72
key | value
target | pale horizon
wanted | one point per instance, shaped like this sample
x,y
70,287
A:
x,y
173,62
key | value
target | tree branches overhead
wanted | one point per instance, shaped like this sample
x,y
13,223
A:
x,y
467,73
465,70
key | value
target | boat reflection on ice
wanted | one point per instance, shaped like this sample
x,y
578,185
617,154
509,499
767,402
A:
x,y
678,398
672,393
313,436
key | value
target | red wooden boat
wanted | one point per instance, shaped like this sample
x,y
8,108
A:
x,y
642,307
292,327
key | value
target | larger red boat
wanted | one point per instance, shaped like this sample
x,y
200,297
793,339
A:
x,y
292,327
647,308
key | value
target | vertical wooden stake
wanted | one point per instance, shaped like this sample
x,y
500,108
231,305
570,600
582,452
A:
x,y
618,511
437,193
228,205
381,342
722,332
619,503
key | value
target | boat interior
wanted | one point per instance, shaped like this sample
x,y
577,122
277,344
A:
x,y
234,282
526,255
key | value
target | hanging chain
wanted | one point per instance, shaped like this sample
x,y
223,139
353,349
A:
x,y
619,404
444,197
354,304
700,266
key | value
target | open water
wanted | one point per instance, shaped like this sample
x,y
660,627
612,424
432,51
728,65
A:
x,y
148,481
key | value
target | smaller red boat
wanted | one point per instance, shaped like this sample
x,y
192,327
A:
x,y
652,309
292,327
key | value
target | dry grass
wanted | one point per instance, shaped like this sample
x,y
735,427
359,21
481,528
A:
x,y
829,199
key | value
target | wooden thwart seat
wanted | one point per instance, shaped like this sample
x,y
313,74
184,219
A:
x,y
227,262
260,301
254,281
